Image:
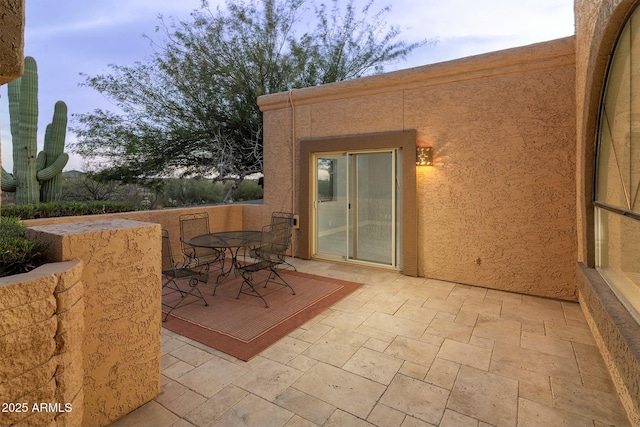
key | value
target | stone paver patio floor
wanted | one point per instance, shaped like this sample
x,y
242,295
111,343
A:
x,y
399,351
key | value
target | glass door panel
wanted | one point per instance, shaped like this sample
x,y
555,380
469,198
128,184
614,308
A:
x,y
331,205
372,207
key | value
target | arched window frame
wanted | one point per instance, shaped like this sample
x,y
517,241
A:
x,y
617,170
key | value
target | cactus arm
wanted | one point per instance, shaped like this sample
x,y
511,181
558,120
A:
x,y
56,131
8,182
55,169
56,159
41,161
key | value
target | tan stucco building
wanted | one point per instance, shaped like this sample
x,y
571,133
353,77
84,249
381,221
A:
x,y
533,185
510,200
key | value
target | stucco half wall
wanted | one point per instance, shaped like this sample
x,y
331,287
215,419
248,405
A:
x,y
497,209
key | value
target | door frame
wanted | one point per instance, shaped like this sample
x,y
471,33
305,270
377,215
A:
x,y
405,141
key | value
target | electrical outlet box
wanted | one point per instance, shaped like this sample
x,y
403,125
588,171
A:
x,y
296,221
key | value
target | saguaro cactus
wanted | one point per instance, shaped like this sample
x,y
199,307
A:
x,y
35,178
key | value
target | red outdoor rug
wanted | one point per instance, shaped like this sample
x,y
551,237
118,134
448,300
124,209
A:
x,y
244,327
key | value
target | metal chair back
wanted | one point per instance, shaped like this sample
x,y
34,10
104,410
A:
x,y
168,264
174,272
275,240
284,219
192,225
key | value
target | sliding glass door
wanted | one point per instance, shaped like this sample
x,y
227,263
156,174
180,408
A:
x,y
356,200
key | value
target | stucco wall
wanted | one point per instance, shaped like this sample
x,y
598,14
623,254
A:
x,y
497,209
122,316
11,40
41,330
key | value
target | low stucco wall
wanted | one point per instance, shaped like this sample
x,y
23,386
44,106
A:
x,y
122,317
221,218
617,335
41,335
497,209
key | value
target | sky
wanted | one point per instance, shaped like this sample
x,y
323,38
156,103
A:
x,y
70,37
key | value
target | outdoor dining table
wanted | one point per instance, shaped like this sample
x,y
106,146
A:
x,y
231,241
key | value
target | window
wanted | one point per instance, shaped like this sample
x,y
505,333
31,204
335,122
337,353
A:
x,y
617,195
327,181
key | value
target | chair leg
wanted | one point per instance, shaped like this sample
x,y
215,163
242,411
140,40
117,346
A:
x,y
255,293
290,265
282,282
193,284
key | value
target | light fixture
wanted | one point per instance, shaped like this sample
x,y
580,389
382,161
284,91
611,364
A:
x,y
424,156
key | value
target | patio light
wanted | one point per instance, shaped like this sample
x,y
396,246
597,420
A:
x,y
424,156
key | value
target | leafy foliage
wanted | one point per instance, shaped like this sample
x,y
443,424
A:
x,y
191,109
17,253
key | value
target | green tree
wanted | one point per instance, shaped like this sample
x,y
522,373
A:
x,y
191,108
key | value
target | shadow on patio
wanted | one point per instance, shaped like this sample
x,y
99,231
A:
x,y
399,351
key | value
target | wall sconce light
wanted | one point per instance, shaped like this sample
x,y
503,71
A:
x,y
424,156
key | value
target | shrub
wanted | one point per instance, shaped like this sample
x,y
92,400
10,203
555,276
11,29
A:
x,y
247,190
17,253
57,209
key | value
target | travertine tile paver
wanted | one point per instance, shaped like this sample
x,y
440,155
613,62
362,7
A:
x,y
414,370
342,419
570,332
211,377
151,413
579,400
485,396
416,313
383,415
535,414
455,419
443,373
285,350
177,369
192,355
465,354
305,405
536,362
396,325
547,344
497,329
254,411
398,352
416,398
268,379
450,329
415,351
373,365
336,347
349,392
216,406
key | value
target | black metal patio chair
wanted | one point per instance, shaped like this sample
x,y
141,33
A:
x,y
274,243
280,219
173,273
197,224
